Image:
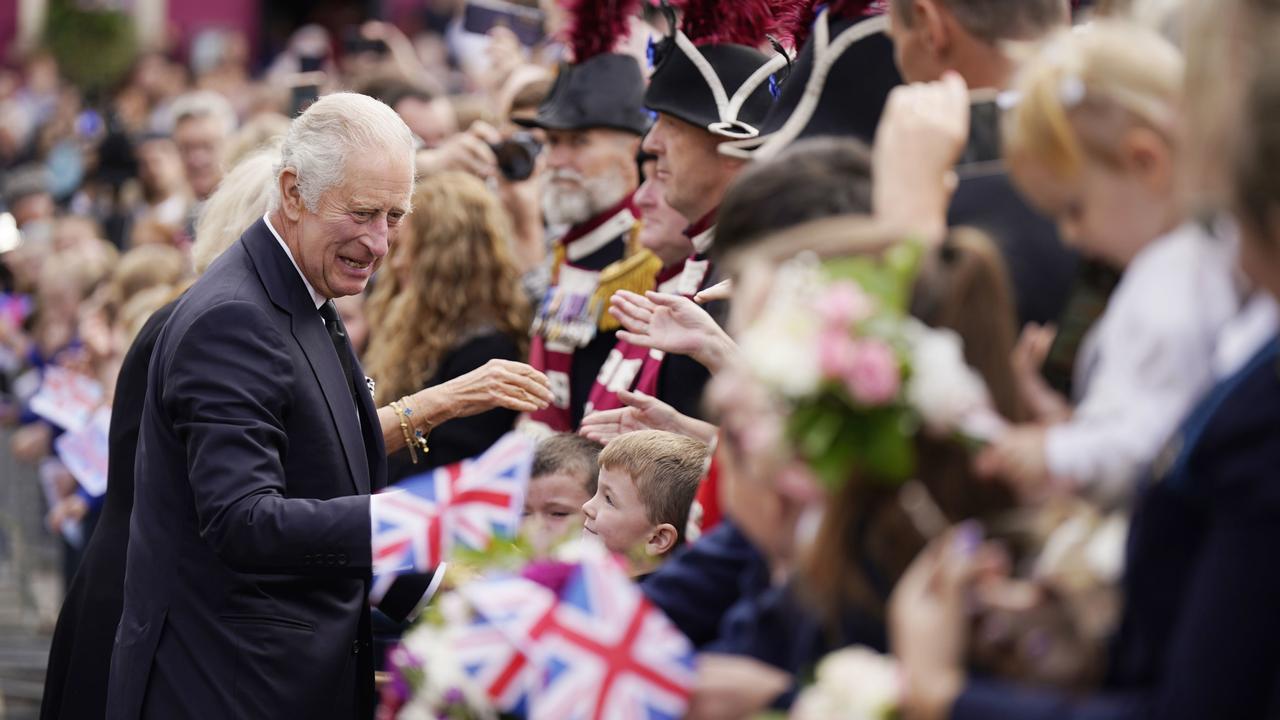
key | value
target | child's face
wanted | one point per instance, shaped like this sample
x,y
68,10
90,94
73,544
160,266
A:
x,y
616,515
1106,213
553,508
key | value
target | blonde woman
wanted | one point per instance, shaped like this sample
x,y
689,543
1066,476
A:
x,y
447,302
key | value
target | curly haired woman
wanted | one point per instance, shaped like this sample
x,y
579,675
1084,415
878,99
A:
x,y
448,302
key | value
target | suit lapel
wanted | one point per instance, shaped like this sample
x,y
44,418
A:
x,y
287,291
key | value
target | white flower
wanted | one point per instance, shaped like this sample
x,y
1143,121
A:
x,y
782,350
852,684
781,346
943,388
443,675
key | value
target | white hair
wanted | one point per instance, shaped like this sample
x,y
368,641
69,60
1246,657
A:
x,y
320,139
204,103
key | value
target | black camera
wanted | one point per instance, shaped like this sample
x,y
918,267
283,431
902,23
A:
x,y
517,156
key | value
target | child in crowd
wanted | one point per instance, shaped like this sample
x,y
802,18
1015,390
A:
x,y
647,483
1092,141
563,479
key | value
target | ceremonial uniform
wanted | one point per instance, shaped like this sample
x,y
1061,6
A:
x,y
572,332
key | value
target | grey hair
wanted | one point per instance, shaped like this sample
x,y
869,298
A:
x,y
320,139
204,103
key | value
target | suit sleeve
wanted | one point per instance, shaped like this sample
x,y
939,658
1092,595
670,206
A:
x,y
227,390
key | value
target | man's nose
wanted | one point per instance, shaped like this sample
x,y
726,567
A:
x,y
378,239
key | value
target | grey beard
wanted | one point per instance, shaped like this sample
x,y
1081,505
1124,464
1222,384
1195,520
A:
x,y
575,206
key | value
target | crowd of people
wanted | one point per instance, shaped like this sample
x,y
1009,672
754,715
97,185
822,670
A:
x,y
940,328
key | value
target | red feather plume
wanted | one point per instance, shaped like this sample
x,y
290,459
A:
x,y
744,22
800,21
596,26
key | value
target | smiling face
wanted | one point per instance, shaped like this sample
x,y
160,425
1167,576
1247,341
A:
x,y
616,514
340,245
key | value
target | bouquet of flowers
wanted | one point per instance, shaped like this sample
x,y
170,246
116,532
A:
x,y
860,376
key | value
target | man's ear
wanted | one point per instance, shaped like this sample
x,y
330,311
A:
x,y
933,25
290,195
662,540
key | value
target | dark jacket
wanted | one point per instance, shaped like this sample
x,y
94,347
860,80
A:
x,y
75,684
249,554
1200,635
1041,269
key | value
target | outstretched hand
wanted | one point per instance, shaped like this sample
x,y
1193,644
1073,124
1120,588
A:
x,y
496,384
672,324
642,412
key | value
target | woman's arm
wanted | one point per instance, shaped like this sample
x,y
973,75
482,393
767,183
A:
x,y
496,384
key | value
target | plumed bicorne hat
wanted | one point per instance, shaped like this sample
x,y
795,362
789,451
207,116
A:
x,y
600,88
839,82
709,71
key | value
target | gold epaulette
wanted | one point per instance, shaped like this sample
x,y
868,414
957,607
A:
x,y
637,272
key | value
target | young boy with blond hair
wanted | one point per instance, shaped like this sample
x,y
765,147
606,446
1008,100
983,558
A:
x,y
646,487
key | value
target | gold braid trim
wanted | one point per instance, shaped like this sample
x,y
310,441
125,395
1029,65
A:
x,y
637,272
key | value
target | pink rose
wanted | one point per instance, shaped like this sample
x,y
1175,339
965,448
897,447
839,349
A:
x,y
836,352
843,304
873,377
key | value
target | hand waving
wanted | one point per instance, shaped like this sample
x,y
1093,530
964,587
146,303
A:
x,y
673,324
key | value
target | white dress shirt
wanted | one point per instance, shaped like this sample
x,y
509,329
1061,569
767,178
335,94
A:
x,y
316,297
1146,361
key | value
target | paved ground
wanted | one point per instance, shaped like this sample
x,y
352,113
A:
x,y
24,648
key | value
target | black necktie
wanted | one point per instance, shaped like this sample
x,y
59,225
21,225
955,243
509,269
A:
x,y
338,336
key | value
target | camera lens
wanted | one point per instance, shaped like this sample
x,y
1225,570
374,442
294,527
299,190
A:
x,y
517,156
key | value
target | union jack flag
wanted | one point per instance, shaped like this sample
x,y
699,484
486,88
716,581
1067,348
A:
x,y
417,522
489,647
612,654
600,650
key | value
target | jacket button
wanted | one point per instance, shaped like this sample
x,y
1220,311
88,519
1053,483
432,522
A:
x,y
355,647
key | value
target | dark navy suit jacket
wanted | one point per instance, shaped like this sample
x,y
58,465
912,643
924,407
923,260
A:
x,y
1200,633
249,553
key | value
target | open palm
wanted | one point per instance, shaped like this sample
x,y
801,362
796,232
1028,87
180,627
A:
x,y
670,323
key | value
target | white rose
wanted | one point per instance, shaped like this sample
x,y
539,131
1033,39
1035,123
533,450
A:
x,y
852,684
943,388
782,350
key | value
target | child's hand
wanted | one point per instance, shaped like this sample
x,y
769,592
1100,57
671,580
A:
x,y
1046,405
733,686
1018,458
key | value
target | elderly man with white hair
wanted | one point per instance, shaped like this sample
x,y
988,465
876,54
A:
x,y
246,590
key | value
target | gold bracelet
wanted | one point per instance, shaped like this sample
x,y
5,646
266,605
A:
x,y
419,436
403,413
